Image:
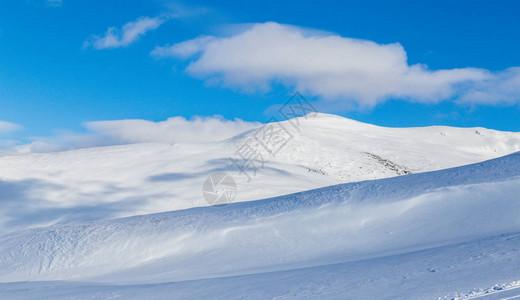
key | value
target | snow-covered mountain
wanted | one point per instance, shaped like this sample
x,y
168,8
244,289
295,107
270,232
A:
x,y
418,236
99,183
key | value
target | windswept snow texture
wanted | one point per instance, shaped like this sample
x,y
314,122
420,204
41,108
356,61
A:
x,y
418,236
86,185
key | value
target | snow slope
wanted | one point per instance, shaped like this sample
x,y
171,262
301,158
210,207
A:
x,y
416,236
92,184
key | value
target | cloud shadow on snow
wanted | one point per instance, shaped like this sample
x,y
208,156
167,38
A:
x,y
20,208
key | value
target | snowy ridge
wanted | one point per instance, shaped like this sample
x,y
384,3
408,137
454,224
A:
x,y
350,225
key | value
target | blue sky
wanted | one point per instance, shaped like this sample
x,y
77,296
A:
x,y
61,66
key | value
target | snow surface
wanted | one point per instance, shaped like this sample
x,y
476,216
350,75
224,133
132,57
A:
x,y
92,184
347,211
419,236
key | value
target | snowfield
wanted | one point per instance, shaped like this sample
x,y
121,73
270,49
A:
x,y
92,184
436,233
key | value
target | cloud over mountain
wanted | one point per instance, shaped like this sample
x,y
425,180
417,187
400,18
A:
x,y
333,67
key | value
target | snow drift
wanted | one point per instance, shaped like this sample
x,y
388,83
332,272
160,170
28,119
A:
x,y
387,224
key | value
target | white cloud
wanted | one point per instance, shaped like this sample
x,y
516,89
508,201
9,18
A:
x,y
119,132
183,49
173,130
6,127
502,87
332,67
8,146
129,33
